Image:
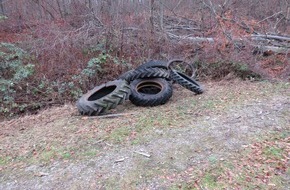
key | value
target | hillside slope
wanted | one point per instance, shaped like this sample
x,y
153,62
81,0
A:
x,y
203,142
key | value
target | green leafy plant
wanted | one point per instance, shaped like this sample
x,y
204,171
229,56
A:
x,y
13,70
3,17
94,65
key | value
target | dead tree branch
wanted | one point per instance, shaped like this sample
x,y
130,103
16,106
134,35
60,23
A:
x,y
273,37
276,47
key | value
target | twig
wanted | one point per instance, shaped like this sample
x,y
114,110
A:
x,y
108,144
119,160
177,5
41,174
143,154
115,115
181,27
270,16
131,28
100,141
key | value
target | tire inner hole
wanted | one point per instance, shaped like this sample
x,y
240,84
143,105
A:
x,y
149,88
102,92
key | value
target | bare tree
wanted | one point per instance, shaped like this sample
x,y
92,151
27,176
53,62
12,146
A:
x,y
1,8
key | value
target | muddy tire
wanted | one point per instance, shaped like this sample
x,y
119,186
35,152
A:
x,y
104,97
150,92
186,81
154,64
147,73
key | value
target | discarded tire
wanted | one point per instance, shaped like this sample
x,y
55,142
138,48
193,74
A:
x,y
154,64
148,85
186,81
125,75
150,92
172,64
147,73
103,97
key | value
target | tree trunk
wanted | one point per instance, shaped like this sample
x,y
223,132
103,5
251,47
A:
x,y
90,5
288,13
161,14
59,9
2,12
152,15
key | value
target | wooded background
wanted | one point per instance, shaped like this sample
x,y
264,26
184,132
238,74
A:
x,y
74,45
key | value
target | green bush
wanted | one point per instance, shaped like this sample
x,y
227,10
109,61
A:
x,y
13,70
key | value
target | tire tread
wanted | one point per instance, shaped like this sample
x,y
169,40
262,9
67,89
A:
x,y
105,103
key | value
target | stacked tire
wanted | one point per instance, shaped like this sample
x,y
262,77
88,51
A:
x,y
148,85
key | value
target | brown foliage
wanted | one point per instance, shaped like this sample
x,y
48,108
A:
x,y
62,38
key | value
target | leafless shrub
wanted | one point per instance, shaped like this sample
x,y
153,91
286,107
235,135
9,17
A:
x,y
63,36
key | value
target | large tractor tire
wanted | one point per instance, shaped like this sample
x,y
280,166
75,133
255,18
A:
x,y
154,64
126,74
150,92
104,97
147,73
186,81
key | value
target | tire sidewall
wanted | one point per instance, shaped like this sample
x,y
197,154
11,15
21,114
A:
x,y
154,64
166,90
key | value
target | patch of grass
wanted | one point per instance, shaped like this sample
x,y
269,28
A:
x,y
194,103
144,123
119,134
53,153
66,155
133,178
139,128
282,85
5,160
209,181
284,135
255,167
46,156
183,186
147,123
140,139
90,153
273,151
212,159
209,104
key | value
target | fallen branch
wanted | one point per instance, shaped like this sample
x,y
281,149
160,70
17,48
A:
x,y
99,141
270,16
143,154
108,116
41,174
109,144
273,49
171,28
254,36
120,160
262,48
271,37
194,39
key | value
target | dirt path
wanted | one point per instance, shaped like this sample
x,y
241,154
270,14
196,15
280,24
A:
x,y
191,142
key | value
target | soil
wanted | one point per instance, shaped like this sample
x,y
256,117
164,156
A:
x,y
163,147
